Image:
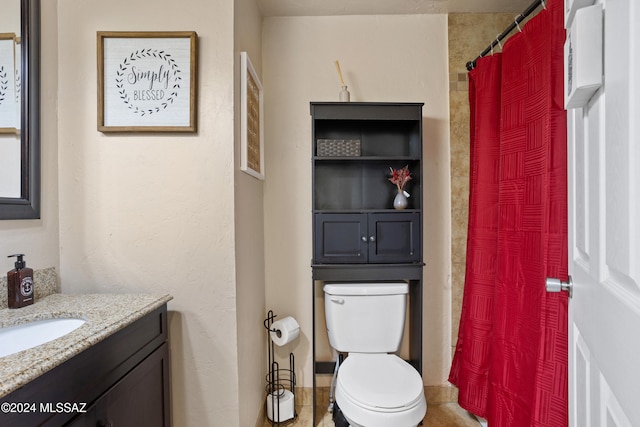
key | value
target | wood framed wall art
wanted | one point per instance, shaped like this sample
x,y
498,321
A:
x,y
147,81
251,120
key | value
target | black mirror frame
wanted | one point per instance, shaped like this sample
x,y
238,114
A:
x,y
28,205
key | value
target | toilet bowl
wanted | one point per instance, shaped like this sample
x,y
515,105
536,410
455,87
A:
x,y
374,387
380,390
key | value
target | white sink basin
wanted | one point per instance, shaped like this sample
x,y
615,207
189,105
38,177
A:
x,y
28,335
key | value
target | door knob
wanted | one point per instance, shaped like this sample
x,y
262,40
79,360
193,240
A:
x,y
557,285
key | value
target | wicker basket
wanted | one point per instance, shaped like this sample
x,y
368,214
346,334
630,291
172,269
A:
x,y
338,148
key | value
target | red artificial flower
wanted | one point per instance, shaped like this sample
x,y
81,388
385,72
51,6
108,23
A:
x,y
400,177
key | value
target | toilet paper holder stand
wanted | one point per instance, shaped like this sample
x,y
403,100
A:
x,y
281,382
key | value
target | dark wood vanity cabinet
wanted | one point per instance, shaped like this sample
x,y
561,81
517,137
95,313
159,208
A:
x,y
122,381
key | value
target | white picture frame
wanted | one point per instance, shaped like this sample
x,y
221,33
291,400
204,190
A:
x,y
251,120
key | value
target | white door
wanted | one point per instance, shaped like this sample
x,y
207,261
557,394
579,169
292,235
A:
x,y
604,234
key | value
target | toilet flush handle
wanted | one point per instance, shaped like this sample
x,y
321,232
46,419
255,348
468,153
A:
x,y
337,300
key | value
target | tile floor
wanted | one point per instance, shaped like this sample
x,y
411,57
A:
x,y
446,414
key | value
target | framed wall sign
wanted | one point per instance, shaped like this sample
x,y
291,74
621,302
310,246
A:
x,y
251,120
147,81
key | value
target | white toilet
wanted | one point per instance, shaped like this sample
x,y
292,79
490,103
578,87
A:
x,y
375,388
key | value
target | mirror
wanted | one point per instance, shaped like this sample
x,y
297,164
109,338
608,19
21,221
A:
x,y
20,110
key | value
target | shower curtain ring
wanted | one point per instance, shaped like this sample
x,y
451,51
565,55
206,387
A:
x,y
517,23
498,40
544,6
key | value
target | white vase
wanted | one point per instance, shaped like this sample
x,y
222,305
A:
x,y
344,95
400,201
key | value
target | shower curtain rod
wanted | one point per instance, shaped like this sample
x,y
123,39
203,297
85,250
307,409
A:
x,y
515,24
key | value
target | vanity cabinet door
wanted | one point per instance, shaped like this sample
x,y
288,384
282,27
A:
x,y
88,419
140,399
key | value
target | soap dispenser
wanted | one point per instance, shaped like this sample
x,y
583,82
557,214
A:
x,y
20,284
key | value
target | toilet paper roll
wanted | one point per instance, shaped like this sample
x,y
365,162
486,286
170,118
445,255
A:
x,y
284,331
284,406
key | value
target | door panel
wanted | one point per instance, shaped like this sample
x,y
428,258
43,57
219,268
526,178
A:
x,y
604,234
612,414
340,238
397,237
582,369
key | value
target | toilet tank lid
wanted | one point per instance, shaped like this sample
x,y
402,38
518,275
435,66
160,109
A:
x,y
379,288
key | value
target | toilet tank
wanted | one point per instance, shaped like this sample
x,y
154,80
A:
x,y
365,317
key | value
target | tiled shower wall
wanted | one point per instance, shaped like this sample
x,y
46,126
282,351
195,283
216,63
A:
x,y
469,34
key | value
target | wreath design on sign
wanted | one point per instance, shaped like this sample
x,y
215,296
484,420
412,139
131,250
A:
x,y
4,84
18,85
129,62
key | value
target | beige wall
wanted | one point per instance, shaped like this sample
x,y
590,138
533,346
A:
x,y
10,19
469,34
155,212
383,58
249,239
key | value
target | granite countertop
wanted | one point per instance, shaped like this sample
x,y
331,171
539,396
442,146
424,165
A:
x,y
105,314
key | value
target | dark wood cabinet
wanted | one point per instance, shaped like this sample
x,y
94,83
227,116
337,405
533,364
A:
x,y
352,195
121,381
358,236
353,238
139,399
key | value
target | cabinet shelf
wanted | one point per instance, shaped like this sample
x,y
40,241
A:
x,y
365,158
389,135
386,211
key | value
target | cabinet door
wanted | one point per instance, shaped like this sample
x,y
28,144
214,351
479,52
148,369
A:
x,y
340,238
141,398
87,419
396,237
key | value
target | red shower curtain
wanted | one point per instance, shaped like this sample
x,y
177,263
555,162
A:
x,y
511,360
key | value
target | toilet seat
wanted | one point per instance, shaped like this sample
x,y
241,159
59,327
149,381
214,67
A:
x,y
380,382
380,390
